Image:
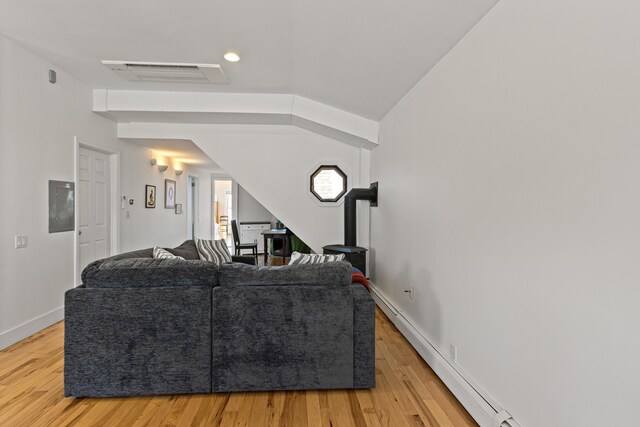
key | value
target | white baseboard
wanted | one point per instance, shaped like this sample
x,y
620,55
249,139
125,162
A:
x,y
29,328
471,396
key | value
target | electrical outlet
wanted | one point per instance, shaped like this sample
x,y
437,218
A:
x,y
22,242
453,352
409,291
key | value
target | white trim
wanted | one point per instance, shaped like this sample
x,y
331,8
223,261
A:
x,y
114,186
472,397
30,327
235,209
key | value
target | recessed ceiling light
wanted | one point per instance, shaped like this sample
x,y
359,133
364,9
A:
x,y
232,57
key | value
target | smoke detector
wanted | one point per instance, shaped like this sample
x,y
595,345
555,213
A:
x,y
168,72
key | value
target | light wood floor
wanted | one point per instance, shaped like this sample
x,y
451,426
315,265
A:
x,y
408,393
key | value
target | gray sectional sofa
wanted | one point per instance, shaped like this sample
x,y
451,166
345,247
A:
x,y
144,326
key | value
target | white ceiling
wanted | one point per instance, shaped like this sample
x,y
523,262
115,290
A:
x,y
179,150
361,56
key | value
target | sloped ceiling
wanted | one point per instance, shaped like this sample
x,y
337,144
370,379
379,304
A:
x,y
361,56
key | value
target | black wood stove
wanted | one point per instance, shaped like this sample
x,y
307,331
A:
x,y
353,253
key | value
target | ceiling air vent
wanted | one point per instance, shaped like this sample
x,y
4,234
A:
x,y
168,72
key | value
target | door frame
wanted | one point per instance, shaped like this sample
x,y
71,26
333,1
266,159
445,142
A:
x,y
115,204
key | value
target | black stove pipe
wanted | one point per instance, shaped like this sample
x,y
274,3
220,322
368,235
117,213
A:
x,y
350,228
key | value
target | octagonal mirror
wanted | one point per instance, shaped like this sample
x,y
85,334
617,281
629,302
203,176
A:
x,y
328,183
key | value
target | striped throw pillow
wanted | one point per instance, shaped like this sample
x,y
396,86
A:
x,y
298,258
160,253
215,251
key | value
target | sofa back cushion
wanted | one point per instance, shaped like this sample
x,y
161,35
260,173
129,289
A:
x,y
187,250
326,274
150,272
140,253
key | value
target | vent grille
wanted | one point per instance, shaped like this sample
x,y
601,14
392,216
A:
x,y
168,72
162,66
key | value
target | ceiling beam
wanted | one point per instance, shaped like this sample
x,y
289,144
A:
x,y
131,106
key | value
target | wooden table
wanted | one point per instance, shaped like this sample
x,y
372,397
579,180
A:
x,y
275,234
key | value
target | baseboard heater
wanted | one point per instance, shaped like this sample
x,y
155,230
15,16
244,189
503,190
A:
x,y
484,410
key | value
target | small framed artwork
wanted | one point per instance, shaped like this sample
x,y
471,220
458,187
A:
x,y
149,196
178,208
169,194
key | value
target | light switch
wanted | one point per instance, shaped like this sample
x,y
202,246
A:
x,y
21,242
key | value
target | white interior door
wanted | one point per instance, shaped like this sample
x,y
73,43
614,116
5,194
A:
x,y
93,207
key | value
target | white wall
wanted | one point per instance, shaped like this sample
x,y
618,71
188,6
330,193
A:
x,y
38,123
147,227
273,163
249,209
509,177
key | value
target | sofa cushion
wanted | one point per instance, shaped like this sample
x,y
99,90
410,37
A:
x,y
330,273
213,250
187,250
159,253
300,258
141,253
150,272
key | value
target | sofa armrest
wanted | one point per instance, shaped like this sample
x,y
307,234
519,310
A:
x,y
137,341
244,259
364,338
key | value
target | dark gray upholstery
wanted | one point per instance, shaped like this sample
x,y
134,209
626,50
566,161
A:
x,y
282,337
187,250
137,341
364,338
330,273
150,272
142,253
244,259
144,326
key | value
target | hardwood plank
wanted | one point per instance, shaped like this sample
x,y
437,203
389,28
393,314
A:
x,y
408,393
314,413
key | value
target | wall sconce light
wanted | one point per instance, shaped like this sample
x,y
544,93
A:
x,y
161,168
179,172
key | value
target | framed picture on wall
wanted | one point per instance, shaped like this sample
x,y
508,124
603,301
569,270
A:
x,y
178,208
149,196
169,194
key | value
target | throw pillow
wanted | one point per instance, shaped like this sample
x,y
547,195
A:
x,y
215,251
298,258
160,253
187,250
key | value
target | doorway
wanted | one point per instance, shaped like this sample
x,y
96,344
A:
x,y
93,207
223,209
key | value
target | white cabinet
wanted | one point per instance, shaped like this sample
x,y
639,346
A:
x,y
251,232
